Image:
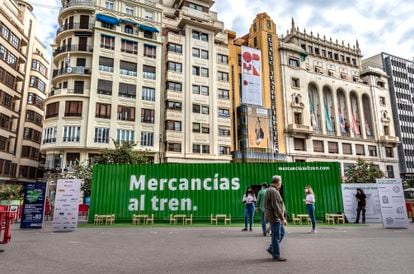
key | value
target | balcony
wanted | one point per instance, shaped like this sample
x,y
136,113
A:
x,y
75,26
296,129
72,71
258,157
201,19
66,91
389,140
77,4
72,48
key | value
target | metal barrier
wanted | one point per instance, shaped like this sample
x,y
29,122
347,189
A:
x,y
5,220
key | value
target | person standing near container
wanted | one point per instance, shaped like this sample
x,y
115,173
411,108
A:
x,y
249,201
260,206
362,204
310,206
274,207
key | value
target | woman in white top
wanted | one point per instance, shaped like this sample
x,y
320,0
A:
x,y
310,206
249,201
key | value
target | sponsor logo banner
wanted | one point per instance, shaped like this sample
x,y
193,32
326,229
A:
x,y
33,205
65,216
252,76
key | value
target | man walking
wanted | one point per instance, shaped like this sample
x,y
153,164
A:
x,y
274,208
261,207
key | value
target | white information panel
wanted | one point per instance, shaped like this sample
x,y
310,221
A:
x,y
65,215
373,209
252,76
394,212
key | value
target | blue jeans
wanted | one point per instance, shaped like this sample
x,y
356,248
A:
x,y
264,222
282,233
311,212
248,214
274,247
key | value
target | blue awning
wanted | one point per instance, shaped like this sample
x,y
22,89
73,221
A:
x,y
126,21
148,28
107,19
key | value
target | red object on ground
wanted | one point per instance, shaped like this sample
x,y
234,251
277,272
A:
x,y
83,210
5,220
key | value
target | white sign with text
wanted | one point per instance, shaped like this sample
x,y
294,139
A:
x,y
65,215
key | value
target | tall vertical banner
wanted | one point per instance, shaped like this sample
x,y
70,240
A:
x,y
33,205
391,195
252,76
65,215
373,208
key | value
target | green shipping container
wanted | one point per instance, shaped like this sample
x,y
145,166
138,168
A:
x,y
205,189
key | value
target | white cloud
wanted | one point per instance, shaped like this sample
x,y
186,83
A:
x,y
381,25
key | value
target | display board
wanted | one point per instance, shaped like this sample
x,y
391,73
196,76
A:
x,y
65,215
252,76
33,205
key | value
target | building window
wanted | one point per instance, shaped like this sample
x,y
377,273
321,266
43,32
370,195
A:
x,y
372,151
298,118
147,139
174,86
129,46
194,6
222,76
224,150
73,109
149,72
104,87
389,152
148,94
128,68
147,116
32,135
171,105
30,153
196,52
200,109
224,131
224,113
293,62
52,110
32,99
101,135
299,144
150,51
174,147
200,36
71,134
129,10
205,129
196,127
318,146
109,4
204,54
39,67
224,94
107,42
103,111
127,90
386,130
125,136
149,15
173,66
347,149
390,172
382,101
173,125
6,100
126,113
222,59
360,150
35,82
333,147
128,29
204,72
295,82
175,48
203,90
49,136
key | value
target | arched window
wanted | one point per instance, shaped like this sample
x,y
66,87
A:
x,y
128,29
329,110
355,118
366,105
343,118
314,107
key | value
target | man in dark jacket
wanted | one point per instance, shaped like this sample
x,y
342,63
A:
x,y
274,208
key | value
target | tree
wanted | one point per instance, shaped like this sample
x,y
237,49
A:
x,y
363,172
123,153
11,192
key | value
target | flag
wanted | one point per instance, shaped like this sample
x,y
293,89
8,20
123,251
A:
x,y
355,126
329,126
314,121
368,128
342,122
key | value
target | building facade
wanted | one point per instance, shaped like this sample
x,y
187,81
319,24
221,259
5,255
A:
x,y
401,86
334,109
106,81
258,124
23,86
196,109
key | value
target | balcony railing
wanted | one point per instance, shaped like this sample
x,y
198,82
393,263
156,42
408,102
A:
x,y
71,48
71,70
66,91
74,3
70,26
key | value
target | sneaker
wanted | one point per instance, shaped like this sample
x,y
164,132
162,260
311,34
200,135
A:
x,y
244,229
279,259
313,231
269,250
250,229
265,234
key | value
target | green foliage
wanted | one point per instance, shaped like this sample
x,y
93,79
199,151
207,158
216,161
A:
x,y
363,172
11,192
409,183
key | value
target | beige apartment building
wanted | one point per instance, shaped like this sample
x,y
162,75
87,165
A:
x,y
106,81
196,109
23,86
335,110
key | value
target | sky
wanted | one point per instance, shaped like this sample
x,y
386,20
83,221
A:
x,y
380,25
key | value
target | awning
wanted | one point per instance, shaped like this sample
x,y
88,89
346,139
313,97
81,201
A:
x,y
148,28
126,21
107,19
